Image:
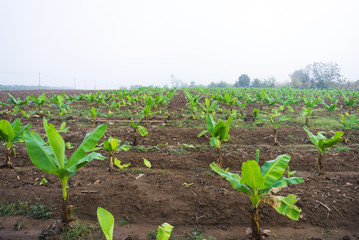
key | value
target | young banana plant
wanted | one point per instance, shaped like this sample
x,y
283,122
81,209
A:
x,y
307,112
10,134
323,144
51,158
107,222
193,101
347,124
258,182
94,112
350,103
39,101
209,108
330,108
219,132
275,121
136,126
112,145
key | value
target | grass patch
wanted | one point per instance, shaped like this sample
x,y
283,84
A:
x,y
36,211
81,231
145,149
137,170
341,149
123,221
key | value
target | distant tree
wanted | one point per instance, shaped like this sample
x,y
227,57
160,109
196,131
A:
x,y
324,74
221,84
257,83
192,84
243,81
270,82
300,79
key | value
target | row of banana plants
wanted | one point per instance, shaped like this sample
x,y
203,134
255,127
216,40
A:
x,y
108,103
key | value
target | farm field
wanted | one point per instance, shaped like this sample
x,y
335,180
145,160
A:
x,y
180,187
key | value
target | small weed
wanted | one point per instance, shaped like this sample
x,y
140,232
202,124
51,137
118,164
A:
x,y
152,235
144,149
341,149
196,234
14,208
80,231
137,170
123,221
36,211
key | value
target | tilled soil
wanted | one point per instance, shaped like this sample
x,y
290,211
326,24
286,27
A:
x,y
183,191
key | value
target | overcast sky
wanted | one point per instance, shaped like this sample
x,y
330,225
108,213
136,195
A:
x,y
121,43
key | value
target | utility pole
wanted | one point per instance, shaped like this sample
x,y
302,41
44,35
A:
x,y
39,81
94,85
85,84
75,83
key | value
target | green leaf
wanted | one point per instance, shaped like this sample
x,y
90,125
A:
x,y
6,131
124,148
273,170
147,163
251,175
214,142
107,146
143,131
39,152
288,208
210,124
83,161
57,145
88,144
202,133
312,138
233,178
164,232
106,221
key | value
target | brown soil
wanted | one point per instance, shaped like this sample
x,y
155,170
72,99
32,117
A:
x,y
329,203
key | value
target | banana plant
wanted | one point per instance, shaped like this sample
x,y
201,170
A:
x,y
51,158
350,103
230,101
193,101
330,108
276,119
164,231
29,114
258,182
147,164
271,102
209,108
255,115
112,145
347,123
39,101
242,105
323,144
17,102
136,126
286,102
219,132
121,166
11,134
59,102
94,112
147,109
107,222
307,112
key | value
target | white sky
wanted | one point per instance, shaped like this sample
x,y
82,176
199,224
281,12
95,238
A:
x,y
122,43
